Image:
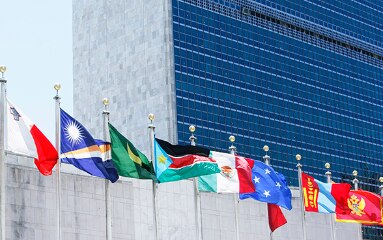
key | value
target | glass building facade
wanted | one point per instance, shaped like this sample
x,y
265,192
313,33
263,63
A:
x,y
300,76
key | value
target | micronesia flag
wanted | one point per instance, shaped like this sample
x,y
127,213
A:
x,y
270,186
80,149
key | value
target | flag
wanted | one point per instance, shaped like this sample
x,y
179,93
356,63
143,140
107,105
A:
x,y
128,160
324,197
183,164
276,217
364,206
23,137
82,151
270,186
234,175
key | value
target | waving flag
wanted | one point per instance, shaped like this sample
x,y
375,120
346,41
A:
x,y
183,164
270,186
324,197
128,160
276,217
364,206
80,149
25,138
234,175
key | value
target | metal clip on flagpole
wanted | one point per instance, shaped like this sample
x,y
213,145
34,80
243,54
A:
x,y
57,98
381,186
108,202
332,223
197,196
233,150
3,171
355,181
266,158
298,157
151,137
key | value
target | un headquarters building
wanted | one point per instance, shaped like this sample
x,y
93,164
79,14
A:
x,y
299,76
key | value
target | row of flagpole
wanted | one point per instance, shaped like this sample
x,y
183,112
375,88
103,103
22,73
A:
x,y
197,198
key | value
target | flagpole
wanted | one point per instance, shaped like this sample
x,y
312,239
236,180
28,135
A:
x,y
3,82
57,98
356,187
381,186
232,150
332,223
108,201
298,157
155,186
266,158
197,196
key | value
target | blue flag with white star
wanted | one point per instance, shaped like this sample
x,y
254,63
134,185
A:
x,y
80,149
270,186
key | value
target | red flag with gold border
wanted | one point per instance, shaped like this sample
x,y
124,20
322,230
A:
x,y
366,207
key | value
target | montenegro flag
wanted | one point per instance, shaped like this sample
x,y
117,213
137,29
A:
x,y
366,207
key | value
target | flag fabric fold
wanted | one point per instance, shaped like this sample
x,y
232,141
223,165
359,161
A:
x,y
365,207
128,160
183,164
81,150
234,175
23,137
324,197
270,186
276,217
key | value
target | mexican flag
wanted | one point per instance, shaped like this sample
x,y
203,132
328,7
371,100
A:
x,y
234,176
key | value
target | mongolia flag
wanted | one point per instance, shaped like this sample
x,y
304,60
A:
x,y
234,175
270,186
324,197
176,162
23,137
365,207
80,149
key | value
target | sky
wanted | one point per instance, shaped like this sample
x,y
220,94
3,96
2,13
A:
x,y
36,48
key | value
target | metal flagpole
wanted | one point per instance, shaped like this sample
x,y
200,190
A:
x,y
3,82
332,223
57,87
232,150
299,166
356,187
266,158
381,186
108,200
155,186
197,196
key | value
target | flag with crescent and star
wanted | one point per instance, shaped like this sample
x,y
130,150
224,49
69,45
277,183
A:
x,y
270,186
80,149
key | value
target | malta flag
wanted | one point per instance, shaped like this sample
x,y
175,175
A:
x,y
324,197
23,137
365,208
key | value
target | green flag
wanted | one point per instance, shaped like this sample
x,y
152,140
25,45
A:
x,y
128,160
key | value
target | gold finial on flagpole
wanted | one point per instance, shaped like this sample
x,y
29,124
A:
x,y
192,138
232,148
2,70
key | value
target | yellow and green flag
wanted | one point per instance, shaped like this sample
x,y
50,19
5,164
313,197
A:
x,y
127,159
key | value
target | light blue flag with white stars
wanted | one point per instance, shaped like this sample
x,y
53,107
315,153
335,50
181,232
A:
x,y
270,186
80,149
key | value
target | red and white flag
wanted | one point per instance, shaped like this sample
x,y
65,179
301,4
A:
x,y
23,137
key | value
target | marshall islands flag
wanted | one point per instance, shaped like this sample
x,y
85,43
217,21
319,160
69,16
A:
x,y
324,197
80,149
